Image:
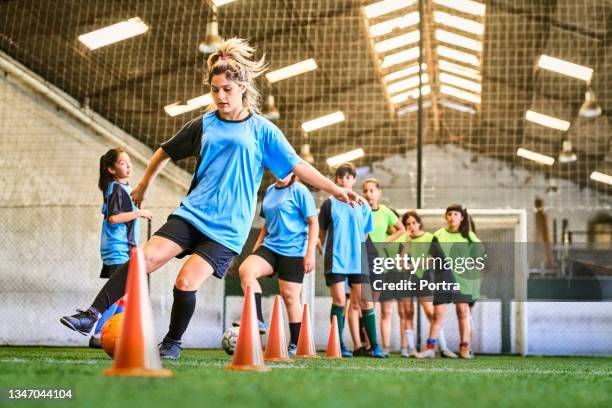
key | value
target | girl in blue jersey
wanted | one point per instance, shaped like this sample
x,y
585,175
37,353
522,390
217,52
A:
x,y
455,238
285,246
121,225
343,233
232,144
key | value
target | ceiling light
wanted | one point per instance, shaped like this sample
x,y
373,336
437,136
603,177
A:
x,y
466,6
399,57
222,2
458,55
601,177
395,42
269,110
458,93
548,121
537,157
388,26
567,154
460,23
460,82
212,40
590,108
345,157
323,121
114,33
565,68
458,107
292,70
458,40
386,6
177,108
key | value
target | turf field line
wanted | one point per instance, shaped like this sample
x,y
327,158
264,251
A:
x,y
219,364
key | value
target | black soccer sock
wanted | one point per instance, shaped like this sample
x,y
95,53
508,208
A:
x,y
112,290
182,310
258,306
294,328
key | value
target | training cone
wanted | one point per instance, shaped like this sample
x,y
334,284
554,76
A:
x,y
333,344
305,346
276,347
248,355
136,353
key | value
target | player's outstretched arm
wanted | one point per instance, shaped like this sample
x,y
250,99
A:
x,y
311,176
155,165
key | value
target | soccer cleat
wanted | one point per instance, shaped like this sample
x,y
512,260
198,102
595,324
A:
x,y
446,353
466,353
263,328
81,322
386,353
345,351
428,353
411,352
377,352
170,349
95,342
361,352
292,349
404,352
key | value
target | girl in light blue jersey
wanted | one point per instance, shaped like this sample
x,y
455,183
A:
x,y
285,247
121,224
232,144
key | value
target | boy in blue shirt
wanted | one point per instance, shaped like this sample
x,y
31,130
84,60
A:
x,y
343,233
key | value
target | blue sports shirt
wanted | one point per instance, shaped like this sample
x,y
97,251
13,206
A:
x,y
345,231
116,240
231,156
286,211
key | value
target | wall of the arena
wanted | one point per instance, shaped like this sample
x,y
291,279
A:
x,y
50,211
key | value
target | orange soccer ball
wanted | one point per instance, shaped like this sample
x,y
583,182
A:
x,y
111,331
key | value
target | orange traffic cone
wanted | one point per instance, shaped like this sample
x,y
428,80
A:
x,y
136,354
333,344
305,346
276,347
248,355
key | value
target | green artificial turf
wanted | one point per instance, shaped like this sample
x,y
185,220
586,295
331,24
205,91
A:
x,y
200,381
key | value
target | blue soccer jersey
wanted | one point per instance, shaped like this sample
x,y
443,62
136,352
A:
x,y
231,156
346,228
286,211
116,240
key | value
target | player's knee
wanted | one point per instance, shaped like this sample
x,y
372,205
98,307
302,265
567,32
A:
x,y
246,273
289,298
463,311
152,258
184,283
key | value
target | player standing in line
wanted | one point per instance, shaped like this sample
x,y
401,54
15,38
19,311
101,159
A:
x,y
449,243
384,219
121,224
286,247
232,144
417,245
343,232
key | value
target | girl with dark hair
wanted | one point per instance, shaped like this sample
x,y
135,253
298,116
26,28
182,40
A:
x,y
121,224
285,247
232,144
448,243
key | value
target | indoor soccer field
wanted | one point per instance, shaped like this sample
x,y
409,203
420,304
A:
x,y
306,203
199,380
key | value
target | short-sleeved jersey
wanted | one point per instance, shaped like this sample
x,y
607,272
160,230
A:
x,y
231,156
286,211
419,247
382,218
116,240
345,231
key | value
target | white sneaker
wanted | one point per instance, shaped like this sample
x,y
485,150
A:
x,y
429,353
411,352
466,353
404,352
446,353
